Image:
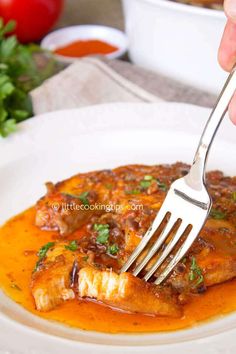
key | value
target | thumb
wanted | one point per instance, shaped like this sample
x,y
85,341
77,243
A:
x,y
230,9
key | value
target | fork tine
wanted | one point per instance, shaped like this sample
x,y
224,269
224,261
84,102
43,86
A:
x,y
150,232
179,255
167,251
161,239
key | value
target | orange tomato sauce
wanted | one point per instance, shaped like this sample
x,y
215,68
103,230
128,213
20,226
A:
x,y
20,240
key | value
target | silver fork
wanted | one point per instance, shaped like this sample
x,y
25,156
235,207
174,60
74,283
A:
x,y
187,203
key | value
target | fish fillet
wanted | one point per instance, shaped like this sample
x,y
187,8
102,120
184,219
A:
x,y
127,292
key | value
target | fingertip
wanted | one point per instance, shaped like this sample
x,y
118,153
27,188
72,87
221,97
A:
x,y
227,49
223,58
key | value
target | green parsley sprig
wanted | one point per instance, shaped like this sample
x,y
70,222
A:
x,y
217,214
113,249
103,233
195,274
73,246
83,197
147,181
42,254
19,74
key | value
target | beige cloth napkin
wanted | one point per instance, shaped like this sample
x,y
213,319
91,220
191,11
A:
x,y
87,82
92,81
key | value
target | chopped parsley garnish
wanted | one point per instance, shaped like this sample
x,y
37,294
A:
x,y
217,214
73,246
85,258
146,182
44,249
42,253
83,197
162,186
195,273
133,191
103,233
113,249
37,265
148,178
70,195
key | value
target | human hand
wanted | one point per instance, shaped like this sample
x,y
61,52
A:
x,y
227,50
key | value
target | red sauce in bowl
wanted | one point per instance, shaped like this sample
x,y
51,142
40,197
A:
x,y
81,48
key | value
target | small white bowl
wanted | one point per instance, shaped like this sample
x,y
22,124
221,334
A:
x,y
64,36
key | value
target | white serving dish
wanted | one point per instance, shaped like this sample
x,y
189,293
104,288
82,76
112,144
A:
x,y
180,41
70,34
56,145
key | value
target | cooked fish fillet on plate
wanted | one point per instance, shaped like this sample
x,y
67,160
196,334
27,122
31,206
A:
x,y
110,237
60,267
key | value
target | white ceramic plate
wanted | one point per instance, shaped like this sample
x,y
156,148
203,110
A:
x,y
57,145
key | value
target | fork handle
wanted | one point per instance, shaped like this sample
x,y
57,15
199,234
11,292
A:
x,y
196,175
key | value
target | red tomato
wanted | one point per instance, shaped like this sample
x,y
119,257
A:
x,y
34,18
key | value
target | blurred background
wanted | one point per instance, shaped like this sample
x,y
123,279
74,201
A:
x,y
105,12
166,47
